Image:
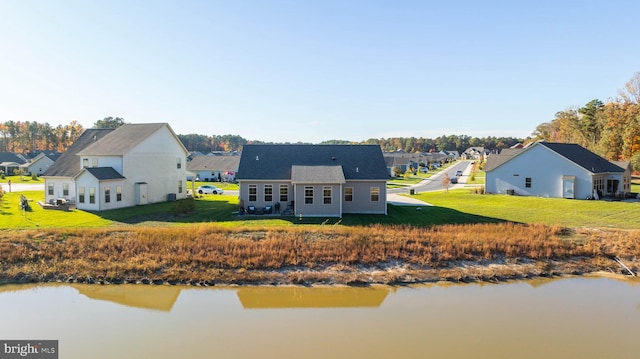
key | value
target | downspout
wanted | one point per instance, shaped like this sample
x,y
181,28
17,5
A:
x,y
341,199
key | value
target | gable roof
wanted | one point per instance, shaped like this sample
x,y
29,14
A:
x,y
274,162
68,164
102,173
317,174
571,151
582,157
11,157
123,139
214,163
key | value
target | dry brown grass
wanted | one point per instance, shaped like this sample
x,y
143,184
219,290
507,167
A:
x,y
306,254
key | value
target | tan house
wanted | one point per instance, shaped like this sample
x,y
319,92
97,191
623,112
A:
x,y
314,180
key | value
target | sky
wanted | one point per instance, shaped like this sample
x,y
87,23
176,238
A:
x,y
310,71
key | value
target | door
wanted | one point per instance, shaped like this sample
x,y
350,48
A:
x,y
568,186
141,193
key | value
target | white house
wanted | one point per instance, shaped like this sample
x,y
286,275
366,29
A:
x,y
41,163
560,170
132,165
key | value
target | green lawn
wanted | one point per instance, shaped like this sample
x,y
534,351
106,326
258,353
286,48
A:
x,y
21,179
454,207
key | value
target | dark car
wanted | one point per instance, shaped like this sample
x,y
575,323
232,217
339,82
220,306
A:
x,y
453,180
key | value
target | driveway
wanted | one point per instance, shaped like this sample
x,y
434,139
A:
x,y
21,187
398,200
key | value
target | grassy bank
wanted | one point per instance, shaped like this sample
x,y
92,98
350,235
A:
x,y
310,254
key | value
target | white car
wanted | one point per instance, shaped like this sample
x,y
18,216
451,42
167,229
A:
x,y
206,189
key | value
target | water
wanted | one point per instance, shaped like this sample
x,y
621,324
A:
x,y
562,318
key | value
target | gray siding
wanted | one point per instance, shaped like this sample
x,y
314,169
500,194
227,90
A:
x,y
362,198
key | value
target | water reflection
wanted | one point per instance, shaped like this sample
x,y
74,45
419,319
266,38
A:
x,y
317,297
157,298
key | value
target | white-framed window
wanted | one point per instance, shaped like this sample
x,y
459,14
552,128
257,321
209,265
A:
x,y
94,162
284,193
348,194
65,189
308,195
180,186
527,182
92,195
118,193
178,163
326,194
253,193
375,194
85,162
81,194
268,192
50,190
107,195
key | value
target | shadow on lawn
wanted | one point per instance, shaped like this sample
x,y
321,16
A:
x,y
226,210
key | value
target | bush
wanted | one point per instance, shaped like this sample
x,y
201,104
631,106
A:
x,y
479,190
183,206
34,176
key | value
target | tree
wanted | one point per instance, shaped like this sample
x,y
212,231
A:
x,y
109,122
590,121
446,181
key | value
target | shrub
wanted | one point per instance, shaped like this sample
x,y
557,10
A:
x,y
472,177
34,176
183,206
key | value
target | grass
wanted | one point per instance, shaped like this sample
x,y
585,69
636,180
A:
x,y
551,211
21,179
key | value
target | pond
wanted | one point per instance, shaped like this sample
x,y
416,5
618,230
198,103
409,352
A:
x,y
544,318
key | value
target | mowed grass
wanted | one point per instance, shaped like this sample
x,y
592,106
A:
x,y
551,211
454,207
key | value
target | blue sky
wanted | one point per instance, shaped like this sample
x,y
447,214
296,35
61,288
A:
x,y
314,70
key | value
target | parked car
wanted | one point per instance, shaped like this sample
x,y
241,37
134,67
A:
x,y
206,189
458,173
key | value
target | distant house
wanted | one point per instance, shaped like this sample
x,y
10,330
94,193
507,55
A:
x,y
405,161
213,168
475,153
10,161
559,170
314,180
41,162
132,165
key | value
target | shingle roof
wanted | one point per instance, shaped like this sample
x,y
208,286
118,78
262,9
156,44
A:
x,y
104,173
317,174
122,139
214,163
274,162
68,164
506,154
10,157
582,157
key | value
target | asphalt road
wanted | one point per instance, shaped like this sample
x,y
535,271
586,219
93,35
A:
x,y
434,183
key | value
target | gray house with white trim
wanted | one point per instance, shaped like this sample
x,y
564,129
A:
x,y
314,180
559,170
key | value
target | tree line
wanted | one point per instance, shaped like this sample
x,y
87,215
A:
x,y
611,129
26,137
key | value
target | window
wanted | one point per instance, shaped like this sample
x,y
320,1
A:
x,y
268,193
308,195
375,194
527,182
180,186
107,195
50,190
92,195
85,162
81,194
119,193
178,163
348,194
65,189
326,195
94,162
253,193
284,193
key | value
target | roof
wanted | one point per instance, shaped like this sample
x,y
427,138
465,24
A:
x,y
68,164
214,163
11,157
496,160
274,162
571,151
123,139
104,173
317,174
582,157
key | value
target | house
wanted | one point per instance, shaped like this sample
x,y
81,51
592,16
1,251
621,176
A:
x,y
560,170
40,163
314,180
10,162
131,165
475,153
214,168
